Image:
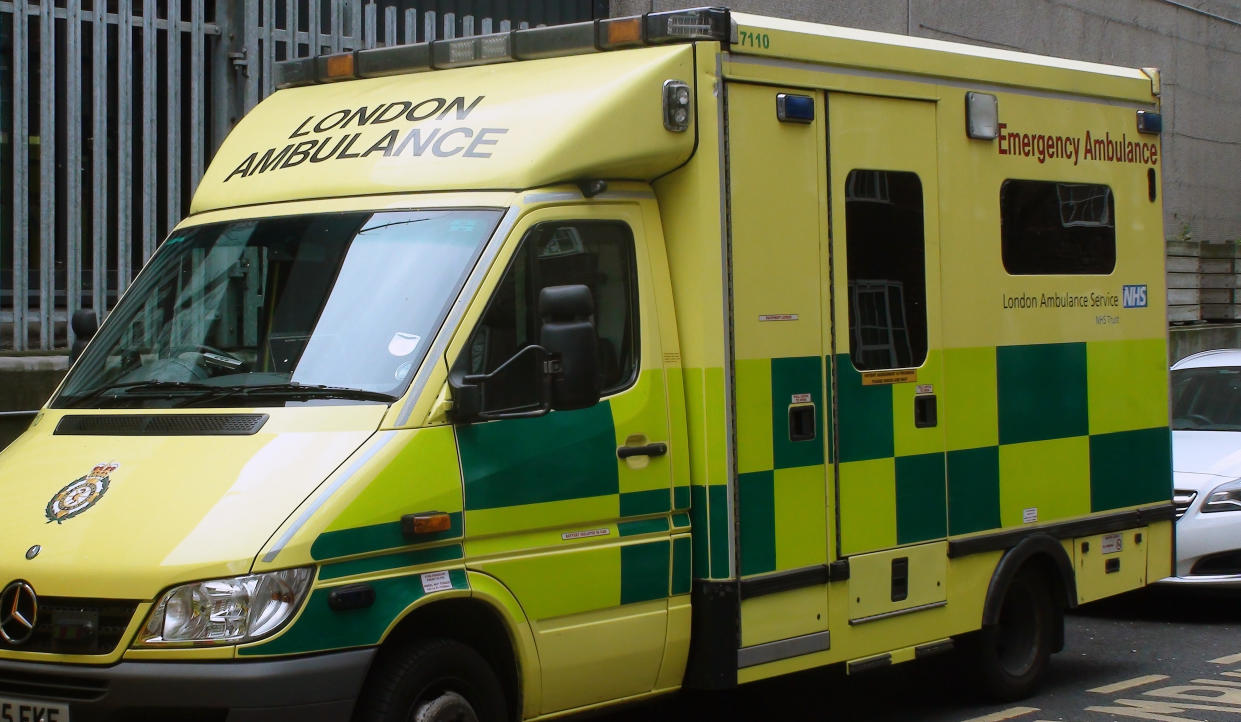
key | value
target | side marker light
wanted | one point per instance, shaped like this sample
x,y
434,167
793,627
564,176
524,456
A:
x,y
430,522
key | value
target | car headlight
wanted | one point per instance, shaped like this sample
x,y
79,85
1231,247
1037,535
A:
x,y
1225,497
225,611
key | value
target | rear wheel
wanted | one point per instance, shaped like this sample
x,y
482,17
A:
x,y
439,680
1011,654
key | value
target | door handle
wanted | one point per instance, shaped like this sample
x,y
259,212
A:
x,y
658,448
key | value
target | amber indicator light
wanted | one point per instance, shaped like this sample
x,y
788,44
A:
x,y
340,66
430,522
625,31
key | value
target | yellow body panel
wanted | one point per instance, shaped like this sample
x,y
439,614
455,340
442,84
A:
x,y
1108,564
119,548
471,129
873,589
783,616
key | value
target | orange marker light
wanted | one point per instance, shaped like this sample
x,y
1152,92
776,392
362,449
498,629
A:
x,y
624,32
430,522
340,66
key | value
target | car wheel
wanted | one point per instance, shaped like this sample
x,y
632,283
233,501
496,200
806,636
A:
x,y
439,680
1011,654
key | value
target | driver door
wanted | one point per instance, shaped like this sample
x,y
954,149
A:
x,y
580,536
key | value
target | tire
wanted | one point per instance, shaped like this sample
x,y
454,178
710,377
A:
x,y
1010,655
438,680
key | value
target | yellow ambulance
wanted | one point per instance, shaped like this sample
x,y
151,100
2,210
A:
x,y
511,376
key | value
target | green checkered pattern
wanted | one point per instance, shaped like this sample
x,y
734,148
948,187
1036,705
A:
x,y
1065,429
778,478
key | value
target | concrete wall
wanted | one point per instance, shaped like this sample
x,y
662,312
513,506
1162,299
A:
x,y
1195,43
1186,340
26,382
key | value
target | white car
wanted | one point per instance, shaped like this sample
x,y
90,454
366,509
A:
x,y
1206,463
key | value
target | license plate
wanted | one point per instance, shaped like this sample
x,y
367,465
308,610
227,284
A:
x,y
31,710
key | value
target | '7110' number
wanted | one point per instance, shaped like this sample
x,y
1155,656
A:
x,y
753,40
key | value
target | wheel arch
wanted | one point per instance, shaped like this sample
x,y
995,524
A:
x,y
1045,554
485,620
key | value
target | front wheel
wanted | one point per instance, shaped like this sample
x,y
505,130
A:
x,y
439,680
1011,654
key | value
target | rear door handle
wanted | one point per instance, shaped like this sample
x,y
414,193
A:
x,y
658,448
926,412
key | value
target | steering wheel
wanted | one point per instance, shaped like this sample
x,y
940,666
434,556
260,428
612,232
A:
x,y
1198,419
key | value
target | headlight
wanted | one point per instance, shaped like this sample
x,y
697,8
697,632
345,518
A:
x,y
1225,497
225,611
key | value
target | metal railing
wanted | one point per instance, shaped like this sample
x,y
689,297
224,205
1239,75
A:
x,y
111,109
107,165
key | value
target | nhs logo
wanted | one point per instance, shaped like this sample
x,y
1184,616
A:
x,y
1133,296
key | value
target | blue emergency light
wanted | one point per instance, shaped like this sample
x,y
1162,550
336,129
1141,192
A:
x,y
794,108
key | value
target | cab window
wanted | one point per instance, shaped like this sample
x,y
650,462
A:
x,y
597,254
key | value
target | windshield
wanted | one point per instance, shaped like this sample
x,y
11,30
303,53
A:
x,y
276,310
1207,399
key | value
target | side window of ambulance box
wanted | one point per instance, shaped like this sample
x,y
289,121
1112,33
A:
x,y
1050,228
597,254
886,251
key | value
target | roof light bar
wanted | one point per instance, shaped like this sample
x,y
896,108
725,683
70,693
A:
x,y
478,50
292,73
554,41
530,44
335,67
681,25
396,60
620,33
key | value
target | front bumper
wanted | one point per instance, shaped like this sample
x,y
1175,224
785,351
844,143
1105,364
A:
x,y
1208,548
308,689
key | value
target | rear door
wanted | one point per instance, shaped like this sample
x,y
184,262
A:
x,y
891,479
778,221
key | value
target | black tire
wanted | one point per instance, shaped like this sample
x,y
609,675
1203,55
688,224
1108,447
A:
x,y
438,680
1010,655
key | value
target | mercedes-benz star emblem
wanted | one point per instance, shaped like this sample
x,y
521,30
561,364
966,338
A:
x,y
19,610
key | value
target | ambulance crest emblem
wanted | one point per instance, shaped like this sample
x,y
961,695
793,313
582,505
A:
x,y
80,495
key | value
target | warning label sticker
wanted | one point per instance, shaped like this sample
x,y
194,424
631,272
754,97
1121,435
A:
x,y
436,582
882,378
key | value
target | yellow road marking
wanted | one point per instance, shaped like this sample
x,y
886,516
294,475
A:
x,y
1230,659
1217,682
1011,713
1128,684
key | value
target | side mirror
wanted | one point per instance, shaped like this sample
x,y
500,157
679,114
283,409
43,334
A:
x,y
470,391
84,324
568,333
563,368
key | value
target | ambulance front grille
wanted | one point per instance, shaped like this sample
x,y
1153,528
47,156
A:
x,y
1181,499
67,625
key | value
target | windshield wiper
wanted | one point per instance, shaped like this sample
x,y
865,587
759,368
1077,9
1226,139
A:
x,y
155,388
290,390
